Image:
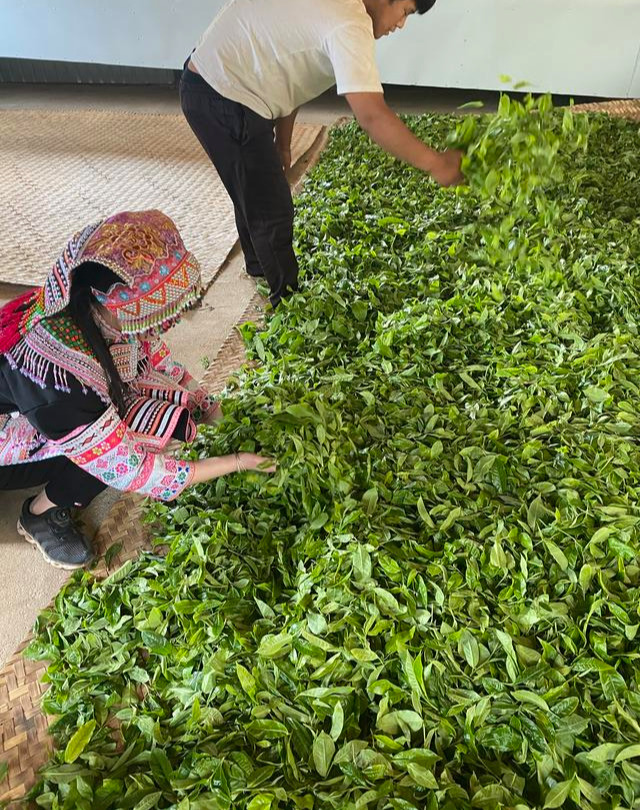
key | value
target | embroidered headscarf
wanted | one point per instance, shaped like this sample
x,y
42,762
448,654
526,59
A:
x,y
160,277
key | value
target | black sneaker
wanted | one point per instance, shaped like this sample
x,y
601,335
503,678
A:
x,y
54,533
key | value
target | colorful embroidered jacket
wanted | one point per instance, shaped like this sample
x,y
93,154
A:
x,y
54,401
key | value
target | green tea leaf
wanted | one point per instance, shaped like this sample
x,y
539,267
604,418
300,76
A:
x,y
149,801
323,750
263,801
421,776
370,500
605,752
79,741
111,553
275,646
361,564
337,722
247,681
596,394
629,752
558,794
392,723
530,697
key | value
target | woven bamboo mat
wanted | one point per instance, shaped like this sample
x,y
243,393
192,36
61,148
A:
x,y
231,356
623,108
25,744
59,171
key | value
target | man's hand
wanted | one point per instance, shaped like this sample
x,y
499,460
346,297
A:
x,y
446,169
285,156
385,128
283,133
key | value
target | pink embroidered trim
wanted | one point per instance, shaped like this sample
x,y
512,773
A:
x,y
107,450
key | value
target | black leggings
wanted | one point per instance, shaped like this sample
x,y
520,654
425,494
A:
x,y
66,483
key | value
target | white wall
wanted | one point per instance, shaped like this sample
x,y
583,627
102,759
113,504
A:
x,y
584,47
634,90
141,33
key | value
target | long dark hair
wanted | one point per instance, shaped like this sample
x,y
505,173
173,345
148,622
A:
x,y
81,307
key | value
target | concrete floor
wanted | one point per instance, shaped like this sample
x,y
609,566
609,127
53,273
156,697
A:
x,y
27,583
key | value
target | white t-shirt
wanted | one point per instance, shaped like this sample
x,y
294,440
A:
x,y
274,55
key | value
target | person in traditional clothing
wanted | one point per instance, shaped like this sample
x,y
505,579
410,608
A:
x,y
90,396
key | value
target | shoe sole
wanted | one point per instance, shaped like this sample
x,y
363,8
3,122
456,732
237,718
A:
x,y
64,566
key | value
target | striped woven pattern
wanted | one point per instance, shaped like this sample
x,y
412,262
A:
x,y
60,170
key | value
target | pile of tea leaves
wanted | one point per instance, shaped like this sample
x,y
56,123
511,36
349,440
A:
x,y
433,604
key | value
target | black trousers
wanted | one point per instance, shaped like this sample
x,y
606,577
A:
x,y
240,144
66,483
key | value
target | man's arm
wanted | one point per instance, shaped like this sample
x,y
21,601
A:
x,y
284,131
385,128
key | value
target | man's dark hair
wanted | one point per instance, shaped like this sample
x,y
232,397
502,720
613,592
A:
x,y
424,5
